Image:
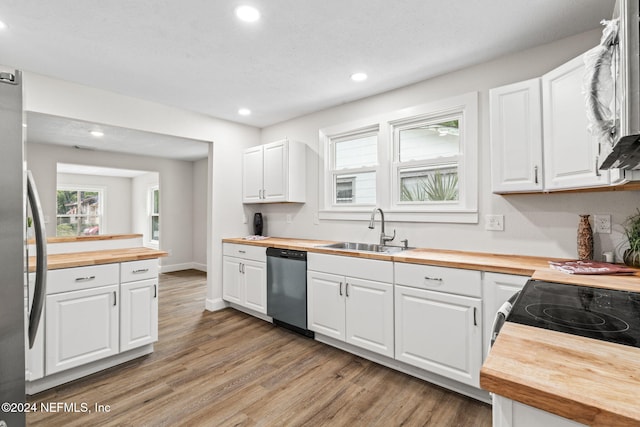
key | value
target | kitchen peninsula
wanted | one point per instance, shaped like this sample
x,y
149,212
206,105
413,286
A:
x,y
101,307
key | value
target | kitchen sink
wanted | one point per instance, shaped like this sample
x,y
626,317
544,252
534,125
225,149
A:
x,y
366,247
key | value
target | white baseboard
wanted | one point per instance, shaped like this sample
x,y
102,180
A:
x,y
177,267
215,304
199,266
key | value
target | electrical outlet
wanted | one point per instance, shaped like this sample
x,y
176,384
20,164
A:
x,y
494,222
244,218
602,223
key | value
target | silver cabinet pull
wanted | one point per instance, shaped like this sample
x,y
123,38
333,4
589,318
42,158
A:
x,y
239,267
115,298
535,173
85,279
346,289
155,291
340,288
475,318
242,268
435,279
141,270
598,174
242,252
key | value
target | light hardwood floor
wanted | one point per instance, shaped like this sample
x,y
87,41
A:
x,y
230,369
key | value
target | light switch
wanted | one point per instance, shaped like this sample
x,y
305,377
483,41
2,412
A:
x,y
494,222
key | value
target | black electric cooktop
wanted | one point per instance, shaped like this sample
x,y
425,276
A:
x,y
602,314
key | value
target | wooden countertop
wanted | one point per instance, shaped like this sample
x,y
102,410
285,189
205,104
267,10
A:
x,y
68,239
81,259
497,263
590,381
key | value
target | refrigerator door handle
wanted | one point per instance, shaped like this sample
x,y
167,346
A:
x,y
41,259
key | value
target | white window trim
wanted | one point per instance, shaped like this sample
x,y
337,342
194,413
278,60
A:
x,y
103,201
464,211
155,244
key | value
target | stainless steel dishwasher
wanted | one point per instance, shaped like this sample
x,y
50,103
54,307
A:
x,y
287,289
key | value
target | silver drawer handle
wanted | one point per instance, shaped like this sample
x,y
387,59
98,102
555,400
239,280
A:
x,y
242,252
435,279
142,270
85,279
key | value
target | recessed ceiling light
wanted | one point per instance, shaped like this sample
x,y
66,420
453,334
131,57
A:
x,y
2,25
358,77
247,13
244,112
96,133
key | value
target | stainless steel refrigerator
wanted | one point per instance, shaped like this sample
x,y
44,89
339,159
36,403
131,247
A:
x,y
18,321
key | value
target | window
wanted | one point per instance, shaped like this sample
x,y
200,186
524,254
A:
x,y
353,168
427,154
79,211
154,214
418,164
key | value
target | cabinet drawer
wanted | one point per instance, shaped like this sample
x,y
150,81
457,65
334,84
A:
x,y
256,253
369,269
73,279
441,279
132,271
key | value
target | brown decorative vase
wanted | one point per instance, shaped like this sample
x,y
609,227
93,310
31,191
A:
x,y
631,258
585,239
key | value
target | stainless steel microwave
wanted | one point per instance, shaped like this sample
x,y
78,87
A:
x,y
612,86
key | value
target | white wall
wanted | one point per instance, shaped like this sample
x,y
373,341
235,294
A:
x,y
224,172
116,204
200,186
140,203
543,224
176,202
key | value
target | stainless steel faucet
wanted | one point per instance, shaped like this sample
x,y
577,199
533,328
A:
x,y
383,237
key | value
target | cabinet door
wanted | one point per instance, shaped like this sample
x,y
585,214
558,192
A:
x,y
369,315
254,278
231,280
82,326
496,289
570,151
252,175
516,137
439,332
325,304
275,172
138,314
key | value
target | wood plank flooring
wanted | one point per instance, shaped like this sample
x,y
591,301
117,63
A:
x,y
230,369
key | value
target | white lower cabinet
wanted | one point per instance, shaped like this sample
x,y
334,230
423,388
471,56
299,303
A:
x,y
82,326
138,314
496,289
436,328
356,310
509,413
244,276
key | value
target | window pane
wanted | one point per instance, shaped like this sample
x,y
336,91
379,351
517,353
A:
x,y
156,201
429,184
357,152
355,188
89,203
67,202
155,228
429,141
67,226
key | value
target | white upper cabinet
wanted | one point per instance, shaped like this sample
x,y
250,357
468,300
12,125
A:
x,y
516,137
539,135
570,151
274,173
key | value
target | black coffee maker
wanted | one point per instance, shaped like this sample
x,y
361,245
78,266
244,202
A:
x,y
257,224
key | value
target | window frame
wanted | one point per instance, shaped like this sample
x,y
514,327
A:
x,y
102,196
151,214
463,108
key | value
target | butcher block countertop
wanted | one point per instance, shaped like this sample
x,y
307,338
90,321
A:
x,y
590,381
82,259
510,264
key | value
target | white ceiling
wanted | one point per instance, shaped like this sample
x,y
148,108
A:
x,y
47,129
195,55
